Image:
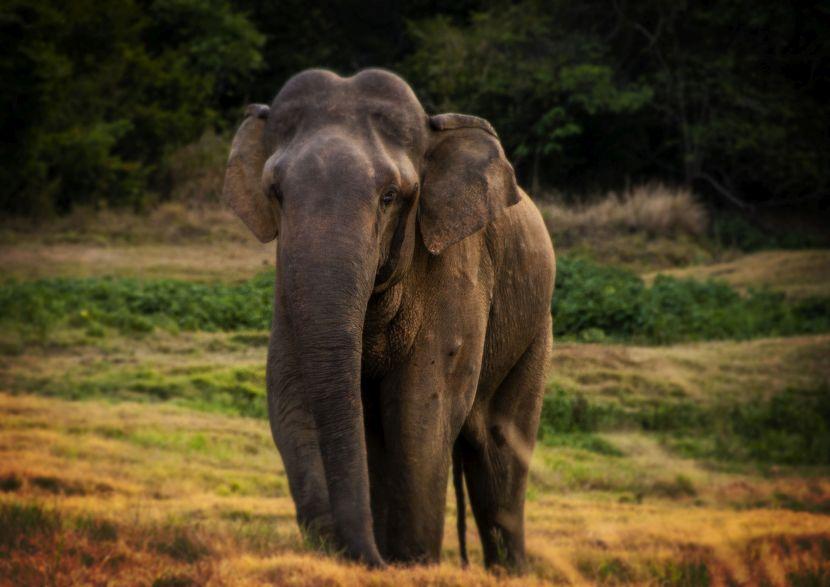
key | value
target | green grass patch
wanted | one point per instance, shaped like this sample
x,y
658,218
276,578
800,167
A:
x,y
134,306
236,391
582,441
789,428
594,303
20,522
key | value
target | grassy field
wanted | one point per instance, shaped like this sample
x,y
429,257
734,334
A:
x,y
142,455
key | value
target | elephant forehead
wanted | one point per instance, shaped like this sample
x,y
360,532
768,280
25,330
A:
x,y
377,83
374,99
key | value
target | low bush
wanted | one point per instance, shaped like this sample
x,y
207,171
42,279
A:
x,y
790,428
136,306
567,413
594,302
591,303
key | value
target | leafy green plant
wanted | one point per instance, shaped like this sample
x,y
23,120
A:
x,y
593,302
135,306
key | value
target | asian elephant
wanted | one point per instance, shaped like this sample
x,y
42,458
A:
x,y
411,324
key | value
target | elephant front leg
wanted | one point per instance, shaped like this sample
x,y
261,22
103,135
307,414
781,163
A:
x,y
416,469
294,434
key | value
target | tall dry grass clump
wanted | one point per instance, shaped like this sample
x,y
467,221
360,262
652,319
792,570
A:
x,y
655,209
197,171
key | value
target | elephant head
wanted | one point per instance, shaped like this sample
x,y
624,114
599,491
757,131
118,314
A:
x,y
352,176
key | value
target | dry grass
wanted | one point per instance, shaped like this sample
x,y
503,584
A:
x,y
197,170
99,493
209,261
656,209
170,223
700,372
649,227
797,273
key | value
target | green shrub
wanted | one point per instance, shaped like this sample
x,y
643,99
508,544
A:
x,y
135,306
567,413
591,297
592,302
582,441
790,428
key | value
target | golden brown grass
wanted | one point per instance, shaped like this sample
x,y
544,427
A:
x,y
194,236
797,273
172,223
133,504
653,208
217,261
650,226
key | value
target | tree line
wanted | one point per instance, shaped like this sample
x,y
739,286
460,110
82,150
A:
x,y
729,97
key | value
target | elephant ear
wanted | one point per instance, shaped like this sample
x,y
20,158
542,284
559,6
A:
x,y
243,175
468,180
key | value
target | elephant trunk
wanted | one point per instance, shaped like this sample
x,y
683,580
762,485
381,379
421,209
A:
x,y
323,296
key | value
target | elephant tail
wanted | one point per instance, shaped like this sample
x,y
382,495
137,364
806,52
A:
x,y
460,506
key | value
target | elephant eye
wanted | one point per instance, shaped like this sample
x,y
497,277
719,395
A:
x,y
275,193
389,195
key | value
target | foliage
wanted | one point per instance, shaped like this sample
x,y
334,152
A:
x,y
568,413
728,98
138,306
791,427
592,300
591,94
95,95
543,83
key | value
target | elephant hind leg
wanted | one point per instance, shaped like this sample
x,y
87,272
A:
x,y
496,453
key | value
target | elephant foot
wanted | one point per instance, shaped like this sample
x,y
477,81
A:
x,y
366,554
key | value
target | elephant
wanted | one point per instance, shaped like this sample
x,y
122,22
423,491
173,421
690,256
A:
x,y
411,328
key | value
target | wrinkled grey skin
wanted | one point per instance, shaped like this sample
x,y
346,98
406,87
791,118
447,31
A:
x,y
411,314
